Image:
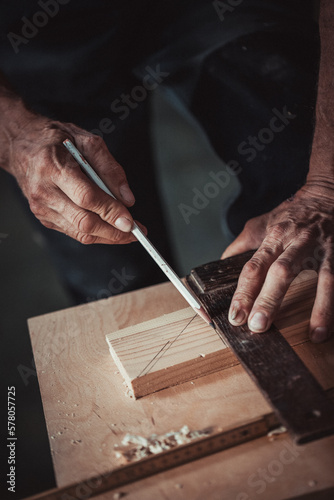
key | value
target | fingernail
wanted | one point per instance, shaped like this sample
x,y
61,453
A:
x,y
237,316
319,334
123,224
258,322
126,193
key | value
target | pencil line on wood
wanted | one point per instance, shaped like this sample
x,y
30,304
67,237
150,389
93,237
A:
x,y
148,364
163,351
178,335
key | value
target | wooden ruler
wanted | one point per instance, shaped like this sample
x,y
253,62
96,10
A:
x,y
297,398
167,460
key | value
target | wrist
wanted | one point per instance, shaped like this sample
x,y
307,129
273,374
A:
x,y
320,178
14,117
320,187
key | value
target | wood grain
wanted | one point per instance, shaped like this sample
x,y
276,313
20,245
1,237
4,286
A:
x,y
87,411
167,351
181,347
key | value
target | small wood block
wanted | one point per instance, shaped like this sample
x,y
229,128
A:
x,y
167,351
296,397
154,355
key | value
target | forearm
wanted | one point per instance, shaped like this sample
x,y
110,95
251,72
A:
x,y
14,116
321,173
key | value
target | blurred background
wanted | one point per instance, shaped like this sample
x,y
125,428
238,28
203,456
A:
x,y
30,285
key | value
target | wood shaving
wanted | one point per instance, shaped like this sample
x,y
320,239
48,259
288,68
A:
x,y
145,447
118,495
276,432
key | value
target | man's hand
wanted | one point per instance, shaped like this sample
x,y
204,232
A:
x,y
60,195
297,235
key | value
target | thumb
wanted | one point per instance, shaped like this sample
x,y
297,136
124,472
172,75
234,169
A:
x,y
240,245
250,237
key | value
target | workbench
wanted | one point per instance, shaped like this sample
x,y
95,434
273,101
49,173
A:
x,y
88,410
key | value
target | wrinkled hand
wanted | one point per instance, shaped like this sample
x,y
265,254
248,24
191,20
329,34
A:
x,y
60,195
297,235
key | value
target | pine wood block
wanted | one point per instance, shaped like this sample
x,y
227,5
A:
x,y
180,347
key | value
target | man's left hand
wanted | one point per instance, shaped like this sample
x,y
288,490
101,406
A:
x,y
297,235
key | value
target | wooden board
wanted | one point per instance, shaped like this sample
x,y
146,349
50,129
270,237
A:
x,y
87,411
180,347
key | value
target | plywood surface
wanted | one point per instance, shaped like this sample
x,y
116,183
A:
x,y
88,412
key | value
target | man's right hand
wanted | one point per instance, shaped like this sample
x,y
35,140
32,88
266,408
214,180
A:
x,y
60,195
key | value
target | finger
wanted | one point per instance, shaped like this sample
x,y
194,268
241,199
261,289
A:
x,y
250,238
322,318
86,195
278,279
240,245
97,154
87,239
86,222
84,226
251,280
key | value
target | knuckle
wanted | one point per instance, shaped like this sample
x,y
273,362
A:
x,y
307,237
84,196
266,251
36,194
243,296
253,267
38,209
267,303
277,232
86,239
118,236
47,224
84,222
94,142
110,212
282,269
34,205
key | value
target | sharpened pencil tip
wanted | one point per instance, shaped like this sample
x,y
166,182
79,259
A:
x,y
201,312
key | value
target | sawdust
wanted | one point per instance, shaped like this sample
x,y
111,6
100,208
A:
x,y
137,447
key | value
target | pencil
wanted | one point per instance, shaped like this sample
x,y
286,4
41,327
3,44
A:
x,y
189,296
